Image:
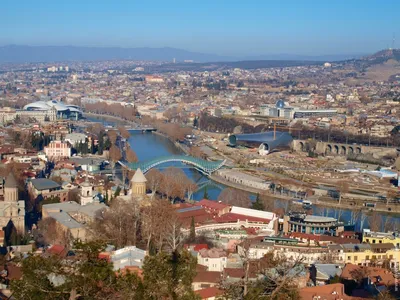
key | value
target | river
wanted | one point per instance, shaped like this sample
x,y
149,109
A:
x,y
150,145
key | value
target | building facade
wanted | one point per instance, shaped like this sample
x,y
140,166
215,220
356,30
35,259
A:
x,y
57,150
301,222
11,208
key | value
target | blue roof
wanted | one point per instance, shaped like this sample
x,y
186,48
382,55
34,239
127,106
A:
x,y
281,138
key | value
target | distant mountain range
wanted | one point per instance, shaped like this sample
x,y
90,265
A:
x,y
21,54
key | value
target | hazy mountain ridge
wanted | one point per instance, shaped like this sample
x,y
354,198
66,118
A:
x,y
20,53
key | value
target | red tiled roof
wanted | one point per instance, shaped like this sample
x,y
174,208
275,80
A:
x,y
209,292
212,204
326,292
232,217
208,276
372,272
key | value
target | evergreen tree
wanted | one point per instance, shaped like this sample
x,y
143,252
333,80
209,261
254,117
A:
x,y
205,196
258,204
92,147
117,191
100,144
169,276
192,236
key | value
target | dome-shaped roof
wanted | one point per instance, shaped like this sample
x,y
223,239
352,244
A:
x,y
280,104
138,177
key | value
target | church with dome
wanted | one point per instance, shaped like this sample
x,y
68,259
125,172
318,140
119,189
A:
x,y
12,209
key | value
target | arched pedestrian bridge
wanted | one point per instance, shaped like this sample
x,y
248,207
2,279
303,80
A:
x,y
204,166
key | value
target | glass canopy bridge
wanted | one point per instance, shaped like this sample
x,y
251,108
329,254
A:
x,y
203,166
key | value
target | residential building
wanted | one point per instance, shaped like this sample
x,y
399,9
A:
x,y
47,188
373,237
214,259
57,150
127,257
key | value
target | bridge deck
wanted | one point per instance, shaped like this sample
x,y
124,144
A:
x,y
204,166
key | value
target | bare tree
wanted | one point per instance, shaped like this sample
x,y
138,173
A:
x,y
172,183
114,155
375,221
112,135
190,188
391,195
119,224
131,155
173,234
154,180
343,187
235,197
124,132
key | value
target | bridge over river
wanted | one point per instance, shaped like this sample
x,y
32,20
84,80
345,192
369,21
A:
x,y
203,166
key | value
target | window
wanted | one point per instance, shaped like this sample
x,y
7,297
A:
x,y
367,257
348,257
355,258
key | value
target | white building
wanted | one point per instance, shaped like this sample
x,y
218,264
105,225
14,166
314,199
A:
x,y
214,259
86,192
127,257
57,150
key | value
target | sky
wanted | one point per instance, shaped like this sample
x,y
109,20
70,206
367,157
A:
x,y
224,27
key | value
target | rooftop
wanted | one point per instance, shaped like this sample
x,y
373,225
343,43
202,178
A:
x,y
44,184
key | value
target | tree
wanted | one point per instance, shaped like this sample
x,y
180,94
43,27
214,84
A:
x,y
172,274
50,232
258,204
391,195
278,280
154,179
205,195
131,155
171,185
85,277
119,224
234,197
192,236
375,221
154,218
343,187
173,233
112,135
114,155
124,132
190,188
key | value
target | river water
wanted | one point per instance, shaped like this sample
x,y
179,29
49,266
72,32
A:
x,y
148,146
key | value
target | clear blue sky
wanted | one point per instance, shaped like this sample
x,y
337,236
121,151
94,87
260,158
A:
x,y
227,27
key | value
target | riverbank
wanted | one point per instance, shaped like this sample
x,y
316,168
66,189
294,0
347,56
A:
x,y
319,203
113,118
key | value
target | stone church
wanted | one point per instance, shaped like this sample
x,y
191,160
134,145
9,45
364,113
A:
x,y
12,209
